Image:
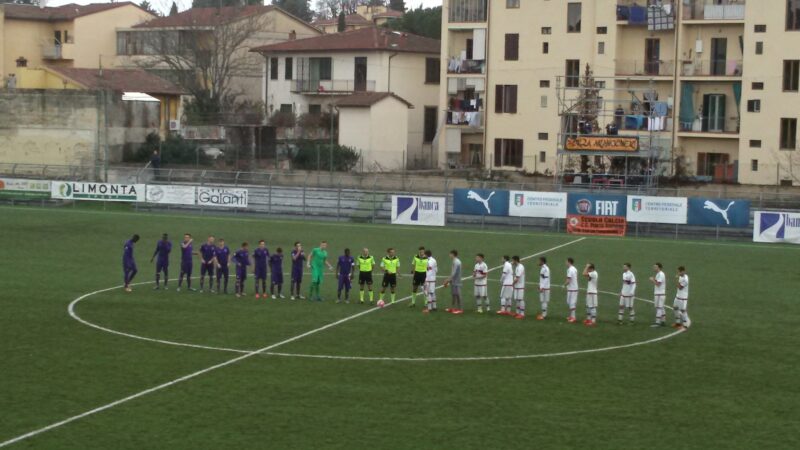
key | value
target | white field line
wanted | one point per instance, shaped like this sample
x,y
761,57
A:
x,y
229,362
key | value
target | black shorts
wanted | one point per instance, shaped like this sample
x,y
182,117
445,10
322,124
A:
x,y
389,280
364,277
419,278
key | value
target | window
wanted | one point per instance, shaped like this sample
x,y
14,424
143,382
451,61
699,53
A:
x,y
547,30
759,48
21,62
545,47
508,152
288,68
574,11
432,68
319,68
758,86
602,30
601,48
754,165
429,128
273,68
755,143
512,3
315,109
512,47
543,101
543,136
67,39
544,83
542,157
792,15
754,106
286,108
760,28
573,73
505,98
788,134
791,75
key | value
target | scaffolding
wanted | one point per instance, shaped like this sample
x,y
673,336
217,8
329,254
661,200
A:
x,y
614,133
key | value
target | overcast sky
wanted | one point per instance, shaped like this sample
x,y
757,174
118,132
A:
x,y
164,5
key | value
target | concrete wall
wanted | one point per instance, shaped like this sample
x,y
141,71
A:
x,y
68,126
383,147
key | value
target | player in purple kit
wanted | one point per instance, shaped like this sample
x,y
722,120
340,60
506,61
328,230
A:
x,y
186,261
242,260
298,261
260,257
208,259
276,267
128,262
163,248
223,254
344,271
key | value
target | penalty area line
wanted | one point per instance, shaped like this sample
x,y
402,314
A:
x,y
229,362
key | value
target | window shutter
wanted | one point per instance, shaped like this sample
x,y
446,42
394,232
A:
x,y
498,98
512,98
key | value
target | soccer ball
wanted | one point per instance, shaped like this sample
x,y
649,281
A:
x,y
381,303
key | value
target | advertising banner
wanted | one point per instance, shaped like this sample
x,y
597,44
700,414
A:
x,y
171,195
480,202
22,189
602,144
657,209
596,205
717,212
776,227
596,225
413,210
68,190
219,196
551,205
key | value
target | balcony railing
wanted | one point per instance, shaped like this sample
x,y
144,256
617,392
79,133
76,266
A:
x,y
711,125
332,86
467,10
713,68
457,65
714,10
633,67
51,51
472,119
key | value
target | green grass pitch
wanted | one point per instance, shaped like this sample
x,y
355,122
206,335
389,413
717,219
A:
x,y
728,382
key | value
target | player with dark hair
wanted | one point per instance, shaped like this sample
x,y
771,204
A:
x,y
260,258
419,267
163,248
344,274
276,267
317,262
519,287
626,296
128,262
659,281
544,287
186,262
454,280
298,261
208,254
480,273
365,265
242,260
390,265
223,257
591,295
571,284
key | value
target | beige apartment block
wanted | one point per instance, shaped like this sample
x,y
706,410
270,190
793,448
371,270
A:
x,y
729,71
64,36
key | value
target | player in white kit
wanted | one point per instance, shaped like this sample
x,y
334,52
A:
x,y
507,287
591,295
572,289
430,282
659,281
626,296
544,287
481,276
519,287
681,300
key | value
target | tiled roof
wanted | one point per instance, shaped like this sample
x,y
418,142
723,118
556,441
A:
x,y
350,19
66,12
389,13
364,39
367,99
206,17
122,80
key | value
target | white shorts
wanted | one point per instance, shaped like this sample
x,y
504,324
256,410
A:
x,y
507,292
519,294
626,301
659,300
572,299
481,291
591,300
680,304
544,295
430,287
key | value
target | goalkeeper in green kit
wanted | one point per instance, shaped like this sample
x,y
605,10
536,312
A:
x,y
317,262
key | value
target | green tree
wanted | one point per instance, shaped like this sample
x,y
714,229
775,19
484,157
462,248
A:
x,y
145,5
397,5
174,9
421,21
342,23
299,8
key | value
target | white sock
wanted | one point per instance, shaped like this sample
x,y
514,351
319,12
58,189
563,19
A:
x,y
521,307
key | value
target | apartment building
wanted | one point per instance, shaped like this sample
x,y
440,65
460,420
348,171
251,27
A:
x,y
724,74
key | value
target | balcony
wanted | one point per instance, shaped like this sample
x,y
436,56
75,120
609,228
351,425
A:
x,y
712,68
710,127
456,65
325,87
467,119
645,69
467,11
654,17
714,10
58,52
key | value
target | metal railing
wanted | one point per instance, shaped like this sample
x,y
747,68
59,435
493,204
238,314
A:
x,y
713,68
714,10
326,86
639,67
467,10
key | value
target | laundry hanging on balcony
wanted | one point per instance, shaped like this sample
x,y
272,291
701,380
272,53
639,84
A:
x,y
660,17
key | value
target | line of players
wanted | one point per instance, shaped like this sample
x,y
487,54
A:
x,y
424,278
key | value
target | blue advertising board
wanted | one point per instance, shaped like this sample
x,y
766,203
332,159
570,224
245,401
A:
x,y
480,202
717,212
596,205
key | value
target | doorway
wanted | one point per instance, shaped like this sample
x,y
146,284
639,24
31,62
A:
x,y
719,56
360,74
652,56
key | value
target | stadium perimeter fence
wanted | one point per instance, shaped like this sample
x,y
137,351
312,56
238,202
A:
x,y
367,198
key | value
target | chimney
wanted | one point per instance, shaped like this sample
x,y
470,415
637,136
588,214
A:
x,y
292,35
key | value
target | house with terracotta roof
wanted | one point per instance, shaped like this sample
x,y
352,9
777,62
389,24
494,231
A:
x,y
65,36
141,45
309,76
365,16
